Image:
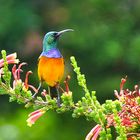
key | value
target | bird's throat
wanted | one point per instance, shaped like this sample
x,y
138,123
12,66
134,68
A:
x,y
52,53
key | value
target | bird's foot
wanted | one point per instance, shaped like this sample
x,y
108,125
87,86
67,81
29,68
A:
x,y
58,95
58,102
37,90
34,95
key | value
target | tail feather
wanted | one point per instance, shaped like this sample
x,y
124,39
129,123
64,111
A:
x,y
53,92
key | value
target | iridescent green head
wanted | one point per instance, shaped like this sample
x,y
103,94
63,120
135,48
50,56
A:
x,y
51,39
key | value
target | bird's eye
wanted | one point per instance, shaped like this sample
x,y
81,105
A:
x,y
50,39
55,34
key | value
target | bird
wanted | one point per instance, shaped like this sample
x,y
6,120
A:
x,y
51,62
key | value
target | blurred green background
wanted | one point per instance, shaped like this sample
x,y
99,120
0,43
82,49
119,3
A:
x,y
105,43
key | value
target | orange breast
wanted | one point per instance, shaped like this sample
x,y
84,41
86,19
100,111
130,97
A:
x,y
50,70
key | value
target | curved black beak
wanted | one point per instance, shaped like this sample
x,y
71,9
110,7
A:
x,y
63,31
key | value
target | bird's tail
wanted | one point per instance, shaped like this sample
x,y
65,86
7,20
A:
x,y
53,92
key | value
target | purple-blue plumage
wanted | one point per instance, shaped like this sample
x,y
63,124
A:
x,y
52,53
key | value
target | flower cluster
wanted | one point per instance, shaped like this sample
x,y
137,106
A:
x,y
130,110
17,80
5,74
126,117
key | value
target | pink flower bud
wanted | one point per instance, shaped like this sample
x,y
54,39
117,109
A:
x,y
93,134
11,59
44,93
34,116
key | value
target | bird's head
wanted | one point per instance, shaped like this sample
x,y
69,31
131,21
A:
x,y
51,39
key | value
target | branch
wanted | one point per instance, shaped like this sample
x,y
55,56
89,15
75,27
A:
x,y
122,113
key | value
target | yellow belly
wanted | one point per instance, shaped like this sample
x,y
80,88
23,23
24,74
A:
x,y
50,70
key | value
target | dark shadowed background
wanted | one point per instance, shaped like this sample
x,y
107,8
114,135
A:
x,y
106,44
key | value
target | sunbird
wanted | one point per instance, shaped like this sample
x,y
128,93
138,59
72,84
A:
x,y
51,61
